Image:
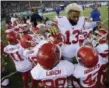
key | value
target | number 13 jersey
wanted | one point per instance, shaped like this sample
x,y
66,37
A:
x,y
70,33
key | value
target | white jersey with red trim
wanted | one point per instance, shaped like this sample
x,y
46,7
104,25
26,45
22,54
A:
x,y
103,48
38,37
22,64
31,54
56,77
103,52
64,25
87,76
71,33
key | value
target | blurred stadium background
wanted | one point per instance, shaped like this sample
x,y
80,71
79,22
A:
x,y
22,8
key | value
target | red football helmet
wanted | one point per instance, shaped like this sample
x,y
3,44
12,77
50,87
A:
x,y
101,35
26,41
12,37
87,56
48,55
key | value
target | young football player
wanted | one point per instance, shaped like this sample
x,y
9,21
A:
x,y
50,71
15,51
87,69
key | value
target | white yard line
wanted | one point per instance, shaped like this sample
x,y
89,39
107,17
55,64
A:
x,y
11,74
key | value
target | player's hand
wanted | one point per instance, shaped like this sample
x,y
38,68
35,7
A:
x,y
53,30
88,19
101,25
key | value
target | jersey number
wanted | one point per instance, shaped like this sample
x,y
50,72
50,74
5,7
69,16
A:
x,y
16,56
91,79
60,82
75,33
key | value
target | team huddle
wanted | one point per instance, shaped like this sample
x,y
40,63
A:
x,y
66,53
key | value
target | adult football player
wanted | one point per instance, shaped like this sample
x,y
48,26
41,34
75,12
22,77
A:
x,y
71,26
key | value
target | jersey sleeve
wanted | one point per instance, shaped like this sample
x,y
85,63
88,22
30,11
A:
x,y
77,71
89,25
34,73
37,72
5,50
70,67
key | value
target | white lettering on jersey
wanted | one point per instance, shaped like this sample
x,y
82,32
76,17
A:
x,y
87,76
56,77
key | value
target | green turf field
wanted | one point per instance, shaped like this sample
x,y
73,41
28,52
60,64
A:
x,y
103,10
16,79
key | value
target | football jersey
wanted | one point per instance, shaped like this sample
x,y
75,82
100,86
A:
x,y
31,54
38,37
103,48
87,76
64,24
70,33
102,75
22,64
56,77
67,30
